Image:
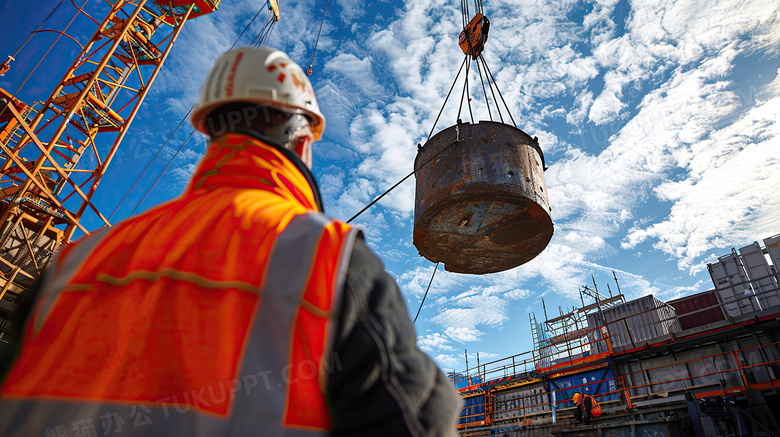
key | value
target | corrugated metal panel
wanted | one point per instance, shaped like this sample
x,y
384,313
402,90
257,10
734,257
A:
x,y
761,278
696,302
732,285
532,398
636,322
773,247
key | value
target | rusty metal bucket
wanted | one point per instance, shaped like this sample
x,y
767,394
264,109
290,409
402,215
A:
x,y
481,202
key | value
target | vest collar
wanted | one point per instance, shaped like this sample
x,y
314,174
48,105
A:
x,y
230,163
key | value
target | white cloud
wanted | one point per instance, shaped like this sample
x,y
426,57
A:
x,y
448,361
434,342
727,199
463,335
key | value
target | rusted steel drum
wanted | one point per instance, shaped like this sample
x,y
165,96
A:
x,y
481,202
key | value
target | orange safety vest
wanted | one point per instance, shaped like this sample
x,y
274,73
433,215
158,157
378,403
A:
x,y
207,315
595,408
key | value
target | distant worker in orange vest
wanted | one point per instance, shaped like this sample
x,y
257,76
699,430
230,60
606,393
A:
x,y
587,407
237,309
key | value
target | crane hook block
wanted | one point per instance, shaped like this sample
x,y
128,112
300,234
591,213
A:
x,y
473,37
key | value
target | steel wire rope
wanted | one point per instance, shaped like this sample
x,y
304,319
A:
x,y
61,33
265,32
426,294
424,163
468,93
38,28
446,98
465,94
50,47
311,64
484,91
167,140
400,182
81,9
498,89
429,137
495,100
170,161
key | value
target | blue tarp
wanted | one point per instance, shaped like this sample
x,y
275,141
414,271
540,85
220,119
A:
x,y
473,411
585,383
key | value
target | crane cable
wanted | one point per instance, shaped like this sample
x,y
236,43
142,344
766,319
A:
x,y
265,32
488,76
171,136
38,28
310,70
426,294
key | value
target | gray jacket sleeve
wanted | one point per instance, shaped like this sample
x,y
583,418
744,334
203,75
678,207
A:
x,y
385,385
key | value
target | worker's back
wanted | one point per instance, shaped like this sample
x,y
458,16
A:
x,y
216,305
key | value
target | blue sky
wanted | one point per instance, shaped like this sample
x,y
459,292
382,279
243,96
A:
x,y
658,119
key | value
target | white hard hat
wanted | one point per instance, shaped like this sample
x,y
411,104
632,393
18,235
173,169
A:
x,y
259,75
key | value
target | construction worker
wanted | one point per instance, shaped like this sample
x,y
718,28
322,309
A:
x,y
587,407
238,308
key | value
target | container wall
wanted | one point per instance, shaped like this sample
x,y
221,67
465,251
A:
x,y
772,245
635,323
762,280
733,287
521,402
688,310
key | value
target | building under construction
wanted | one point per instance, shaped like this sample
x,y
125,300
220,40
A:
x,y
707,364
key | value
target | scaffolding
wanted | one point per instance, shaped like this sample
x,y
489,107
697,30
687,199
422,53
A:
x,y
568,339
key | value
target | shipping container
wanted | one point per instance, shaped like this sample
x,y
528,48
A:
x,y
733,286
635,323
772,245
689,309
761,278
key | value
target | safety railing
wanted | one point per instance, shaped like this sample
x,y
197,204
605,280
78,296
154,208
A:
x,y
519,364
533,403
756,367
581,347
536,401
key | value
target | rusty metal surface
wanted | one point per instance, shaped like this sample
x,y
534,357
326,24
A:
x,y
481,205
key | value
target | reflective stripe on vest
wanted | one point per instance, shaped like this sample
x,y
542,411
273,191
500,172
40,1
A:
x,y
277,388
